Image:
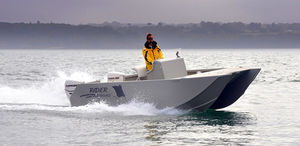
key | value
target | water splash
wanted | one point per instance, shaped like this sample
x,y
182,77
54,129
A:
x,y
50,92
50,96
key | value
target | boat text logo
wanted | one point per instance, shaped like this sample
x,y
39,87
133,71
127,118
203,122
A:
x,y
98,90
104,92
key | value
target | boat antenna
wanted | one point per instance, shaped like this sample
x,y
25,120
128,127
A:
x,y
177,54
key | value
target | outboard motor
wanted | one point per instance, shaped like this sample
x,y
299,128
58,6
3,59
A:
x,y
70,86
115,77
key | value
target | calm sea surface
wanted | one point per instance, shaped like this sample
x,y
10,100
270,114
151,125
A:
x,y
34,109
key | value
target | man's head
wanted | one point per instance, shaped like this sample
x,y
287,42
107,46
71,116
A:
x,y
149,37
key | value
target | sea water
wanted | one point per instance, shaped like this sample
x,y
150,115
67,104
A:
x,y
34,109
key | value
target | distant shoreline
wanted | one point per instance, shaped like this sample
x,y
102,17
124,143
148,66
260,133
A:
x,y
234,35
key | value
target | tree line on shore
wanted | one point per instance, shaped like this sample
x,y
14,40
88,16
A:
x,y
125,35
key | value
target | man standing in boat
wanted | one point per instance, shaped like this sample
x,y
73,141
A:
x,y
151,51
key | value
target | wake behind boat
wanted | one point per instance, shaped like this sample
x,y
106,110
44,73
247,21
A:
x,y
168,84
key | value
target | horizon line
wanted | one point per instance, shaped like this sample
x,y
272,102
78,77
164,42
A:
x,y
144,23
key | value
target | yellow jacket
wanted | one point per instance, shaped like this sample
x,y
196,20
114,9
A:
x,y
151,54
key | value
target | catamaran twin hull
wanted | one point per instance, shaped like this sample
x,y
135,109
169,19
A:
x,y
197,90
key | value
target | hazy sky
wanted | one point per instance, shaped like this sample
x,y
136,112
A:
x,y
143,11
